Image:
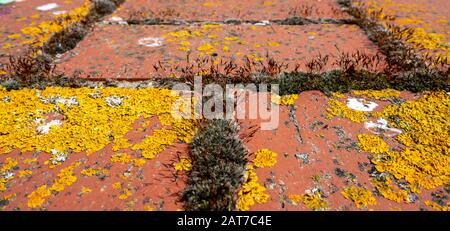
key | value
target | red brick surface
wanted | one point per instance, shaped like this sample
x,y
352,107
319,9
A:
x,y
229,9
114,51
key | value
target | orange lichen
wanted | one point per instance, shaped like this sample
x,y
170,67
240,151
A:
x,y
265,158
183,165
360,196
252,192
315,201
372,144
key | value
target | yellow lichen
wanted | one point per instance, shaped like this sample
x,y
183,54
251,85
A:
x,y
372,144
285,100
435,206
252,192
89,122
339,109
85,190
138,162
117,185
37,197
65,178
378,94
265,158
148,208
125,194
120,158
360,196
89,172
183,165
8,165
390,191
424,162
295,198
315,201
273,44
24,173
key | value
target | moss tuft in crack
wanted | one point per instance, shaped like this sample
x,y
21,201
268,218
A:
x,y
218,166
65,40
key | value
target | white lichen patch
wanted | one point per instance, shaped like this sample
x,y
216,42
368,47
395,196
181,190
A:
x,y
58,157
69,101
262,23
113,101
45,128
47,7
7,175
381,124
361,104
151,42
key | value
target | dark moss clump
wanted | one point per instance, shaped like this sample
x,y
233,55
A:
x,y
65,40
340,81
218,165
102,7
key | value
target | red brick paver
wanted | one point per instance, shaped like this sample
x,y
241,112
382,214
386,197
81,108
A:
x,y
130,52
230,9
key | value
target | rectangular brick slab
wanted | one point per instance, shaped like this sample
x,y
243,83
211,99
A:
x,y
229,9
18,15
121,51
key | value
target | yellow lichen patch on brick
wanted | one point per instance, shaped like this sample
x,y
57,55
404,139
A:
x,y
138,162
425,160
37,197
435,206
295,198
117,185
65,178
372,144
377,94
6,172
8,165
285,100
148,208
265,158
315,201
29,161
273,44
125,194
390,191
24,173
360,196
252,192
183,165
120,158
339,109
206,48
89,172
92,117
85,190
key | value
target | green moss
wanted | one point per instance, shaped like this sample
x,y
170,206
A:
x,y
218,166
